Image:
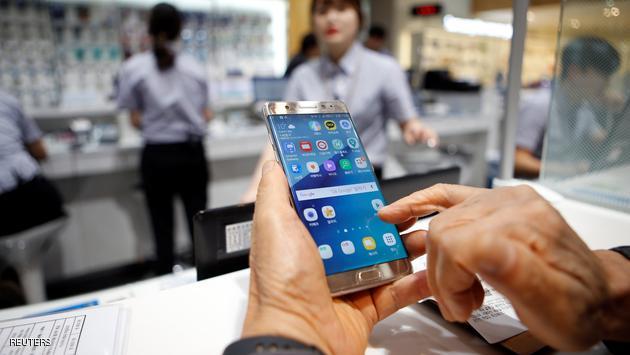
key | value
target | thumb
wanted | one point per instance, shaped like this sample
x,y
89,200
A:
x,y
273,189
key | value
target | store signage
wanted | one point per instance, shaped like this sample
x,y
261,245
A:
x,y
426,10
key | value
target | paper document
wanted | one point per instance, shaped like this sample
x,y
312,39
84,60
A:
x,y
495,320
96,330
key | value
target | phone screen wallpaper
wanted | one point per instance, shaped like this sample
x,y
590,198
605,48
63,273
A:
x,y
335,190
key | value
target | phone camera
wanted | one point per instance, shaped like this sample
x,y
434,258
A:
x,y
286,107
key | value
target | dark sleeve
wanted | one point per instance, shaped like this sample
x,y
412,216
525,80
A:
x,y
264,345
618,347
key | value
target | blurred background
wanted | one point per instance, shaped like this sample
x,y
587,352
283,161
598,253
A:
x,y
60,61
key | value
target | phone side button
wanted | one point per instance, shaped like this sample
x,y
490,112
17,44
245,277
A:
x,y
369,275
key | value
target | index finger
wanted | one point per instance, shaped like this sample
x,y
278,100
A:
x,y
436,198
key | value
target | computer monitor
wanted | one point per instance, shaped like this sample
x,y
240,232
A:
x,y
269,88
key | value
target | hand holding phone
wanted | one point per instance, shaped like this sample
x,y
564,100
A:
x,y
336,194
288,291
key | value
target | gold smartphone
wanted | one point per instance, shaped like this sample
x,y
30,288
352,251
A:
x,y
336,194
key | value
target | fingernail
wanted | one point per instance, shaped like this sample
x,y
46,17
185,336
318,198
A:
x,y
500,260
268,166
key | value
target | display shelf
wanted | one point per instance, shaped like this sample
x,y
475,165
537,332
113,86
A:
x,y
109,110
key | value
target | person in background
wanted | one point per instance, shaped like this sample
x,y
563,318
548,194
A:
x,y
166,93
371,84
309,50
27,198
587,63
377,36
568,296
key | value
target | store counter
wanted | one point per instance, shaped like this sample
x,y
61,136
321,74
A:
x,y
226,143
101,183
125,155
204,317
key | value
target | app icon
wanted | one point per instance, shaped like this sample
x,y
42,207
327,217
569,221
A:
x,y
296,169
315,126
345,164
325,251
377,204
347,247
337,144
345,124
329,165
330,125
360,162
290,147
321,144
369,243
353,143
328,212
306,146
310,214
312,167
389,239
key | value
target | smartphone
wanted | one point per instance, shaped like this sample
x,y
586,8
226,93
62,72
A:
x,y
336,194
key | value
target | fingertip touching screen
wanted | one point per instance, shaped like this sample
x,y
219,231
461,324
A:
x,y
334,190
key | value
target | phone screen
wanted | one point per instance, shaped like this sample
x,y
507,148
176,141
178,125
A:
x,y
334,190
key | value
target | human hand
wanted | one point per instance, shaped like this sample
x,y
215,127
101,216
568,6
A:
x,y
289,295
520,245
248,196
414,131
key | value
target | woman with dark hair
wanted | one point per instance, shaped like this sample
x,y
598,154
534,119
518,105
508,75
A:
x,y
166,93
372,84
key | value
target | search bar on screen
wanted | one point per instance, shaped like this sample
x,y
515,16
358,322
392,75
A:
x,y
333,191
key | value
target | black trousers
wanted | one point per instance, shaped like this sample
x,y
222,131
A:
x,y
170,170
30,204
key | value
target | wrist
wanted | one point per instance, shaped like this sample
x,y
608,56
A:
x,y
617,309
273,322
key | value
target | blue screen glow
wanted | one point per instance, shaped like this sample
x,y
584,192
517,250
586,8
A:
x,y
335,191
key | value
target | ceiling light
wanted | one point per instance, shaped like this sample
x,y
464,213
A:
x,y
476,27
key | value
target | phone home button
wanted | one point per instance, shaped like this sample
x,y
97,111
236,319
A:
x,y
369,275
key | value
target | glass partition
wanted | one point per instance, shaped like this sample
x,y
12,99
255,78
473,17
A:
x,y
587,146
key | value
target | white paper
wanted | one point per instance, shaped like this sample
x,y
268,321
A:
x,y
495,320
96,330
